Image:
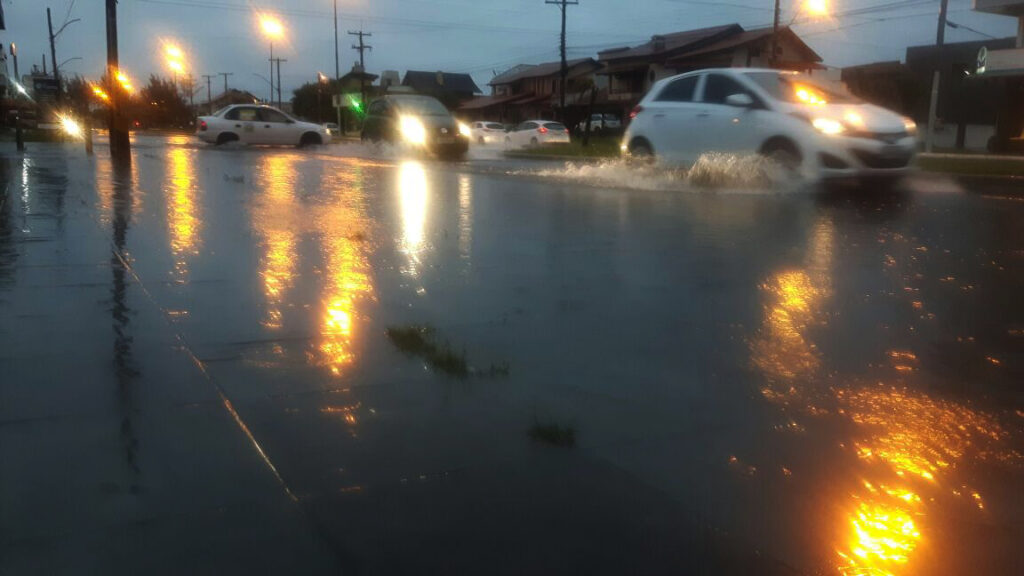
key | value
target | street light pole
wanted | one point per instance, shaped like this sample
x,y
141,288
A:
x,y
120,144
775,33
53,54
271,99
933,107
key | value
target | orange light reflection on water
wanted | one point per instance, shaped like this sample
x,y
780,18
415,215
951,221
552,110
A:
x,y
275,217
182,220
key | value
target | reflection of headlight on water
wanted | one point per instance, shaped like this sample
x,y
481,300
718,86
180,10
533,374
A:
x,y
412,130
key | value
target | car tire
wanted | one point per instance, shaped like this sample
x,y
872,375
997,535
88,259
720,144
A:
x,y
226,138
481,141
534,142
784,153
641,151
310,139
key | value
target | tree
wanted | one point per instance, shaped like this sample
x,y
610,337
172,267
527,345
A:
x,y
159,105
304,103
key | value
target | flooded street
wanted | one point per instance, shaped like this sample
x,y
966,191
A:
x,y
203,350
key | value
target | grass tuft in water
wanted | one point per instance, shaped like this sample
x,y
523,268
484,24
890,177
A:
x,y
420,341
553,434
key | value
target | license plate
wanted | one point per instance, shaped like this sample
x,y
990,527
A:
x,y
892,151
446,140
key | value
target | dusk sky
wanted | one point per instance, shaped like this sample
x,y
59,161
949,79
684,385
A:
x,y
480,37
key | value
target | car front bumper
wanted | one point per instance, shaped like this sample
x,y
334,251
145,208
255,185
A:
x,y
854,157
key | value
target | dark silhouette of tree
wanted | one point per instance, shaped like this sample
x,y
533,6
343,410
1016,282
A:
x,y
159,105
304,102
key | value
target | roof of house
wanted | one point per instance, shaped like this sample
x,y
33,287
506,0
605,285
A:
x,y
541,70
488,101
450,82
669,44
746,37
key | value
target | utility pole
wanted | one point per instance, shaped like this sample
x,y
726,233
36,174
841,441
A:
x,y
362,64
53,49
225,75
278,61
775,33
14,55
209,96
53,54
120,145
337,70
337,57
563,4
940,40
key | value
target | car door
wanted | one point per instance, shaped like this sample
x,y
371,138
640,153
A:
x,y
730,129
673,115
521,135
276,128
243,121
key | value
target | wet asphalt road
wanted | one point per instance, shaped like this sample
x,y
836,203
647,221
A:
x,y
195,372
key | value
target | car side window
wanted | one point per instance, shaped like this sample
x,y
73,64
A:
x,y
719,87
376,108
273,116
243,114
681,90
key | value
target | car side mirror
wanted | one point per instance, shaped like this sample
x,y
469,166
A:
x,y
740,100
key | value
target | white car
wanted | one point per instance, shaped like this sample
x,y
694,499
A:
x,y
256,124
537,133
600,122
809,128
487,132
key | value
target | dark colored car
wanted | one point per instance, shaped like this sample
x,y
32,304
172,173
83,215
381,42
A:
x,y
418,121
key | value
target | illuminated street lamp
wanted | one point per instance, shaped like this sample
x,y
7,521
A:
x,y
272,29
124,81
812,8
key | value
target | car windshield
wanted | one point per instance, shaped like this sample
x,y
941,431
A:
x,y
800,89
422,105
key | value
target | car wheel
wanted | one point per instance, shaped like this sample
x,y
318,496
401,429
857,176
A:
x,y
641,151
226,137
783,153
534,142
310,139
480,141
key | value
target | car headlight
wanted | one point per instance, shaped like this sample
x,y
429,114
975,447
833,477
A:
x,y
910,126
412,130
464,130
327,131
828,126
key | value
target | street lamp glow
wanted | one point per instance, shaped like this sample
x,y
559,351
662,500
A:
x,y
817,8
173,52
271,26
124,81
176,66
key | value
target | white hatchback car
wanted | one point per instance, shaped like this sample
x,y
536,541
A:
x,y
816,130
256,124
536,133
487,132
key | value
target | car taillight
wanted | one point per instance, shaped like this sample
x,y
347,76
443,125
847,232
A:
x,y
635,112
202,125
542,130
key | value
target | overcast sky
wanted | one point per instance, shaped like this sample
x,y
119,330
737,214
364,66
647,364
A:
x,y
480,37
